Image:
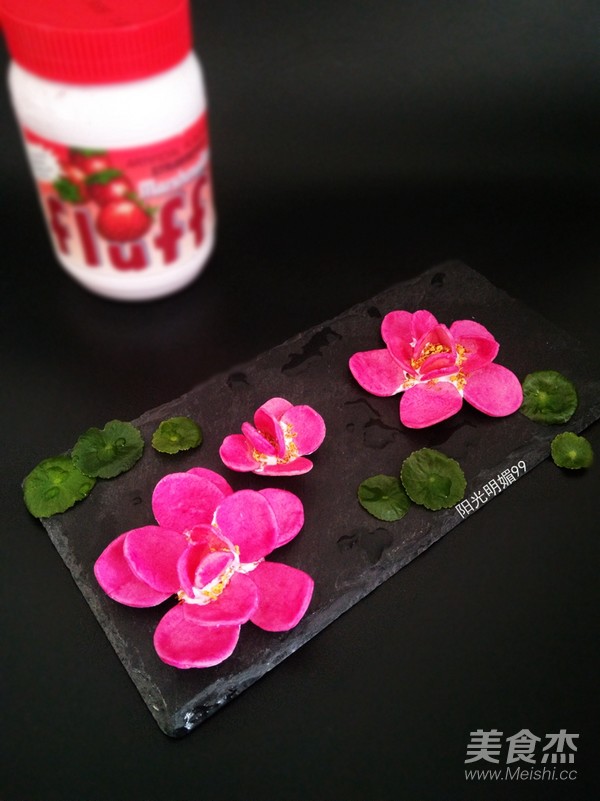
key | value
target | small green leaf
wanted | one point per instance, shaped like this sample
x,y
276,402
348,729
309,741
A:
x,y
383,497
433,479
107,452
87,151
68,191
54,485
103,177
570,451
548,397
176,434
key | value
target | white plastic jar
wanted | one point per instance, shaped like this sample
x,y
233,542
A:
x,y
111,102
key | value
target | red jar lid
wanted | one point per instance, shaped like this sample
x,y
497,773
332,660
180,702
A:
x,y
96,41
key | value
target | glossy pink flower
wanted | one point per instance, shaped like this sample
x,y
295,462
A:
x,y
209,550
435,368
278,442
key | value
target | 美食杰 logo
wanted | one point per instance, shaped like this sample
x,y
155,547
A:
x,y
521,756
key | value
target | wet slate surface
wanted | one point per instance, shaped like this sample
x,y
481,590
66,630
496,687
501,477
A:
x,y
348,552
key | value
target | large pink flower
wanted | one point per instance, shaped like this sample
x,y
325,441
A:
x,y
209,549
278,442
435,367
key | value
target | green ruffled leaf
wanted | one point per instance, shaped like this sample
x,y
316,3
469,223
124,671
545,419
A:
x,y
384,497
107,452
54,485
433,479
68,190
177,434
548,397
571,451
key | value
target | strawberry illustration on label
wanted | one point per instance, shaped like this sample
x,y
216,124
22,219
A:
x,y
123,220
122,217
71,184
126,209
90,161
108,185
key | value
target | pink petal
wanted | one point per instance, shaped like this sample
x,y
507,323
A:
x,y
216,479
207,535
236,453
266,420
289,513
377,372
275,446
198,566
426,404
401,329
494,390
397,328
308,428
183,500
234,606
466,329
152,553
480,346
422,321
273,409
119,582
184,644
295,467
247,519
284,595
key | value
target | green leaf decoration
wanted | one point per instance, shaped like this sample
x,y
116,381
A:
x,y
433,479
68,190
570,451
548,397
87,151
176,434
107,452
54,485
103,177
384,497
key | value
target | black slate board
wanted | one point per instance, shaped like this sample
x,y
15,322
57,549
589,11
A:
x,y
348,552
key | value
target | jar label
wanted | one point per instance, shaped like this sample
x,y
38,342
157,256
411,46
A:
x,y
143,209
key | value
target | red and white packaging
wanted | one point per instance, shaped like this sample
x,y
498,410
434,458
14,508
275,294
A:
x,y
113,113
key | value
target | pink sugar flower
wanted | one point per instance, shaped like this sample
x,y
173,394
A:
x,y
209,550
435,368
278,442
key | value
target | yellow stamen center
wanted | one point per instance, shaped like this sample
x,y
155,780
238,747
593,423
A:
x,y
291,449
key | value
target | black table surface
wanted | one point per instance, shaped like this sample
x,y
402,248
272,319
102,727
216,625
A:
x,y
334,179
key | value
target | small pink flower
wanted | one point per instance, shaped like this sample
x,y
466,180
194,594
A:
x,y
209,550
278,442
435,367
